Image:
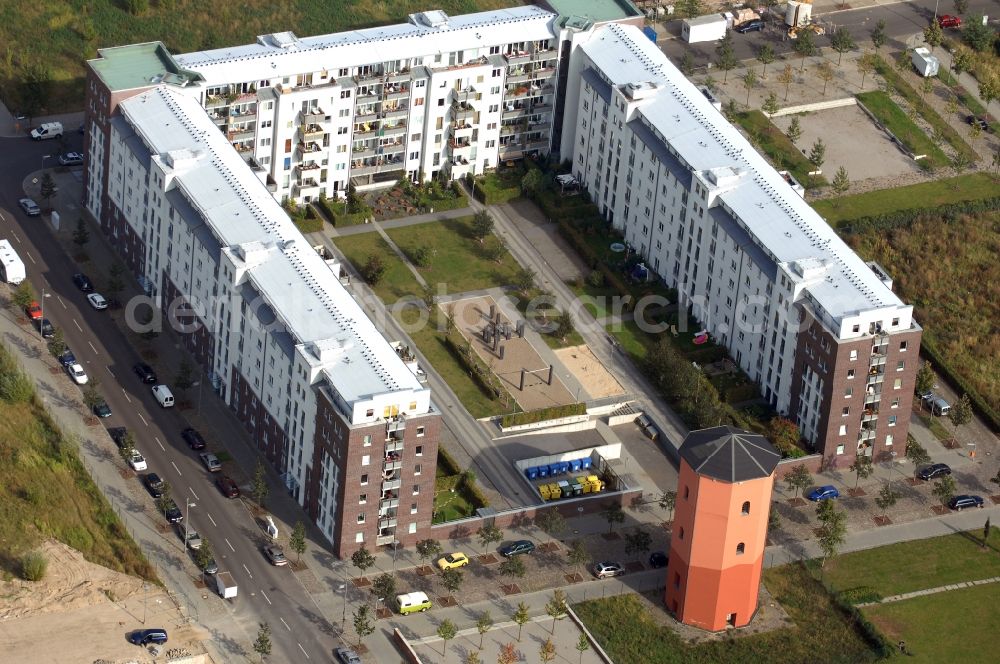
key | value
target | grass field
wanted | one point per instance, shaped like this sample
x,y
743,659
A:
x,y
629,634
908,566
781,151
397,281
46,491
48,41
973,186
902,127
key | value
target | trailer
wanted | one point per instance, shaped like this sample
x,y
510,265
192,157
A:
x,y
704,28
926,64
11,266
225,585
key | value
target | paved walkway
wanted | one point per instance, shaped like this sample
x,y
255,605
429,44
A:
x,y
933,591
399,252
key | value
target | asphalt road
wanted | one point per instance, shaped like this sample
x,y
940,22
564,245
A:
x,y
902,19
266,593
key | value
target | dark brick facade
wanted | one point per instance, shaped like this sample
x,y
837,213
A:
x,y
268,437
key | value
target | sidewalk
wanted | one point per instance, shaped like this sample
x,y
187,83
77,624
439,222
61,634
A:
x,y
12,128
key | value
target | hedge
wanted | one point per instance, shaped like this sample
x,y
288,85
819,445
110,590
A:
x,y
459,200
543,414
860,595
324,206
957,381
308,225
447,462
473,493
903,218
490,191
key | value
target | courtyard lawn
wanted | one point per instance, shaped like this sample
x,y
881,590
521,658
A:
x,y
396,282
626,630
456,260
973,186
917,565
902,127
957,626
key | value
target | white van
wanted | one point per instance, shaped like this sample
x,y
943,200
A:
x,y
163,395
11,267
47,130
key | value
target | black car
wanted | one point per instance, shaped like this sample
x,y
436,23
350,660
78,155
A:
x,y
933,471
173,513
154,485
67,358
658,559
144,637
102,409
45,327
755,25
516,548
83,282
959,503
144,372
981,122
193,439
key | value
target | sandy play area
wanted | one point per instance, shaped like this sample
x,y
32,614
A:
x,y
597,381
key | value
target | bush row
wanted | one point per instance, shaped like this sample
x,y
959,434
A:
x,y
860,595
880,644
903,218
958,381
447,463
473,493
455,201
543,414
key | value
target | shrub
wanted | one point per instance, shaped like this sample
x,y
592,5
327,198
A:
x,y
543,414
904,218
33,566
447,463
860,595
16,387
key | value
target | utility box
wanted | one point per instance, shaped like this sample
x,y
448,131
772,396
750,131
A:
x,y
926,64
704,28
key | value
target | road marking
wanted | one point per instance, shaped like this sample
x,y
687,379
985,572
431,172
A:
x,y
91,345
143,419
265,596
303,651
78,326
61,302
159,443
177,469
127,398
30,258
284,623
16,236
227,543
248,570
193,493
110,371
212,520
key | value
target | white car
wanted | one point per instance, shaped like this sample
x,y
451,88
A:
x,y
77,373
137,461
97,301
71,159
30,207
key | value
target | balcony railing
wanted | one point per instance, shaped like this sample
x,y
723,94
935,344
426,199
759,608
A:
x,y
390,485
537,145
309,166
240,134
461,111
518,56
311,132
388,503
313,116
394,130
544,54
394,113
394,447
390,466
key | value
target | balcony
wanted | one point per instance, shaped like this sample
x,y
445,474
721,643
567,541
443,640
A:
x,y
873,397
543,74
537,145
395,113
220,119
512,129
462,112
387,523
308,187
306,167
388,503
366,130
392,466
366,115
396,424
311,132
370,75
461,130
516,92
544,54
309,151
395,92
865,435
360,152
518,56
391,485
216,102
518,76
467,96
869,415
244,116
511,111
391,148
366,98
394,447
240,134
313,116
385,540
398,129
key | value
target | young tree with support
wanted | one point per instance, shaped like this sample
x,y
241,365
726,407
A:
x,y
484,623
521,617
446,631
862,468
489,535
363,560
798,479
556,608
613,513
765,56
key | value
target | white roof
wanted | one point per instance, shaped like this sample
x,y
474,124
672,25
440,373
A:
x,y
778,219
283,54
305,295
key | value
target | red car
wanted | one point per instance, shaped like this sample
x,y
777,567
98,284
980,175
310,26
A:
x,y
34,311
228,487
949,21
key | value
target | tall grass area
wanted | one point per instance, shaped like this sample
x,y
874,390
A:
x,y
45,490
47,41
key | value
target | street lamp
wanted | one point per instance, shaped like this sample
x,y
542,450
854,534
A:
x,y
343,619
41,306
187,505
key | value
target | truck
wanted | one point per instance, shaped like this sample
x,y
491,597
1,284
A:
x,y
704,28
225,585
926,64
11,267
47,130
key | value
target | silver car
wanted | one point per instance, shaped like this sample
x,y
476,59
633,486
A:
x,y
30,207
605,569
347,655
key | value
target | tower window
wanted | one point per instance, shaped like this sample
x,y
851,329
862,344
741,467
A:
x,y
740,549
746,507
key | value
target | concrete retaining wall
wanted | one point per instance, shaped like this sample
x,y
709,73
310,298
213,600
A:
x,y
813,463
817,106
590,637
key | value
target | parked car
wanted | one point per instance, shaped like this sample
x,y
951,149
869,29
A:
x,y
193,540
144,637
45,328
193,439
658,559
97,301
755,25
102,409
34,311
144,372
173,513
70,159
30,207
275,555
154,485
212,463
959,503
82,281
347,655
118,435
211,567
67,358
77,373
453,561
228,487
949,21
934,471
827,492
137,461
516,548
973,120
607,568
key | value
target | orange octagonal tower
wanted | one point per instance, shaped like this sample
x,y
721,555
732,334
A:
x,y
720,527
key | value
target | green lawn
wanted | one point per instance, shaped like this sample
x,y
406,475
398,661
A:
x,y
973,186
629,634
902,127
397,281
781,151
940,431
957,626
450,505
908,566
457,259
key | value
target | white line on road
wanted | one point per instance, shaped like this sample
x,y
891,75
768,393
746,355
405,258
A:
x,y
177,469
16,236
30,258
127,398
284,623
265,596
61,302
77,325
143,419
92,347
248,571
212,520
303,651
193,493
159,443
227,543
110,371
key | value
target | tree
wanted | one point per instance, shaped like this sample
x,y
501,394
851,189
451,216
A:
x,y
841,181
258,486
428,548
974,33
989,86
563,324
933,34
81,236
749,79
862,468
794,133
48,188
524,280
614,514
482,226
842,42
975,131
765,56
513,568
773,519
825,72
963,60
726,56
886,498
960,162
297,540
494,251
785,78
578,555
832,533
452,579
484,623
556,608
944,489
373,269
446,631
204,554
731,110
582,645
489,535
638,541
961,6
185,375
363,559
878,35
668,501
925,378
916,453
866,65
686,64
986,532
817,155
91,395
961,413
805,46
472,657
547,651
798,479
710,83
262,645
23,295
770,105
521,617
127,448
508,653
57,345
420,256
363,625
552,522
533,181
690,8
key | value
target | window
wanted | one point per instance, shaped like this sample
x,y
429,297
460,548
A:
x,y
370,413
359,538
845,411
746,507
413,508
413,405
687,492
420,431
740,549
362,499
850,373
364,479
416,469
849,392
680,533
856,328
366,459
902,346
892,420
840,449
412,528
895,322
361,518
416,489
843,430
419,451
888,440
900,365
854,355
368,441
898,383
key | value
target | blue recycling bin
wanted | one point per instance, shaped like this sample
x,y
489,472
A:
x,y
575,465
543,471
554,469
564,467
586,463
531,473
